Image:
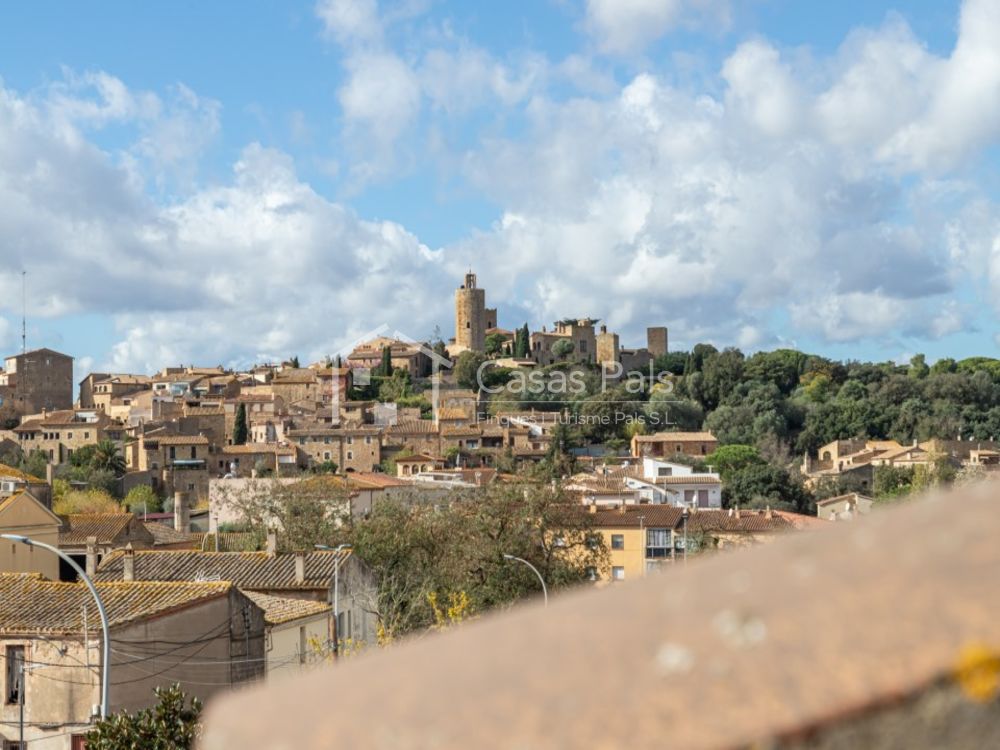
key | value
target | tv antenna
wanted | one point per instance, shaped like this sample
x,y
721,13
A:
x,y
24,312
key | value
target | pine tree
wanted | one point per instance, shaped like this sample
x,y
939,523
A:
x,y
240,427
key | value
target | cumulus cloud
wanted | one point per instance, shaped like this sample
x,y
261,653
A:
x,y
627,26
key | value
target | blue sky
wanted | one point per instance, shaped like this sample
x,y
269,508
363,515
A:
x,y
228,182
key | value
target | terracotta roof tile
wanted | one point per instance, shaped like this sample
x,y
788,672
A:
x,y
33,604
281,609
248,570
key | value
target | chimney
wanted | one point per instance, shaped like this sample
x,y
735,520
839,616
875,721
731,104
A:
x,y
272,542
592,508
181,518
91,555
730,512
621,508
300,567
737,511
50,474
767,513
128,563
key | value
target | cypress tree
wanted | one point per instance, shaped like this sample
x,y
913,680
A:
x,y
240,427
385,368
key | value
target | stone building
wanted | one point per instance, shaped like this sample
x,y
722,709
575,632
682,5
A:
x,y
36,380
58,434
471,316
220,632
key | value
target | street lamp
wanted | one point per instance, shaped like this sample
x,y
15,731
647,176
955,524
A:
x,y
545,591
106,645
684,514
336,591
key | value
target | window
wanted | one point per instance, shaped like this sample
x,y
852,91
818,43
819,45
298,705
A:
x,y
350,455
618,573
350,440
326,439
86,436
69,435
14,662
173,452
583,345
617,541
657,543
194,452
326,455
191,487
664,471
368,439
702,498
679,448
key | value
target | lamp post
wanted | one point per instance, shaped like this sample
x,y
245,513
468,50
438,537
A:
x,y
336,591
106,638
684,514
545,591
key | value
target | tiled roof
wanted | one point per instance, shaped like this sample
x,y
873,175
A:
x,y
411,426
467,431
204,411
163,534
453,412
33,604
248,570
178,439
689,479
280,609
662,516
725,521
107,527
660,437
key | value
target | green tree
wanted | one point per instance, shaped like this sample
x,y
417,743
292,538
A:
x,y
240,429
563,348
494,343
143,499
294,362
385,367
107,456
729,459
467,369
918,367
766,483
172,724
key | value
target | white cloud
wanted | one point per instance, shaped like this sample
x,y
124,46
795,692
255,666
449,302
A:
x,y
350,21
627,26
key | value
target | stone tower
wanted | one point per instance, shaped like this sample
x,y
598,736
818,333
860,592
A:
x,y
656,341
470,315
608,349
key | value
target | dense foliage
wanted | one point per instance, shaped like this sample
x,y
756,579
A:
x,y
172,724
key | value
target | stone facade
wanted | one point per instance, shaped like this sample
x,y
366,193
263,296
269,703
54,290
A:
x,y
470,315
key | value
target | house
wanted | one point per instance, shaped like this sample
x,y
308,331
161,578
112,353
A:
x,y
417,463
58,434
844,507
651,481
666,444
300,575
205,636
582,346
641,538
23,515
297,631
409,356
175,463
90,537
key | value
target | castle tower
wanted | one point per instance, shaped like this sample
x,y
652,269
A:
x,y
470,315
656,341
608,349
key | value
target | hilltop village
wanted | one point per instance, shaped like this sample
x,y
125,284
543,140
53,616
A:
x,y
246,523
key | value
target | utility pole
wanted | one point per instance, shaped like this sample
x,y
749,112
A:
x,y
24,312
